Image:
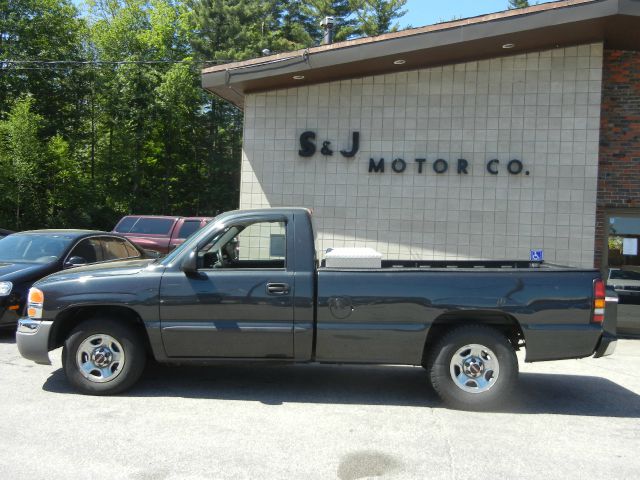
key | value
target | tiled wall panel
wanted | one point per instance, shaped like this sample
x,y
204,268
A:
x,y
542,108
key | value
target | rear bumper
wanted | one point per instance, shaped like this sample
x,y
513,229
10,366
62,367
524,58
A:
x,y
606,345
32,338
608,340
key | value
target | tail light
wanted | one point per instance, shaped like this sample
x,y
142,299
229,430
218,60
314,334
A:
x,y
599,295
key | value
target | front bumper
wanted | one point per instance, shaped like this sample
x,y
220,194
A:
x,y
32,338
8,318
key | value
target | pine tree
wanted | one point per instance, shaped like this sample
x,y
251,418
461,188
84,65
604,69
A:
x,y
518,4
341,10
240,29
376,17
296,25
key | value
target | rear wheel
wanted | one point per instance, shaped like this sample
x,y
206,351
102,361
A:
x,y
103,357
473,367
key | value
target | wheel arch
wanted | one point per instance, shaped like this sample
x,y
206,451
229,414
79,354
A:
x,y
505,323
70,318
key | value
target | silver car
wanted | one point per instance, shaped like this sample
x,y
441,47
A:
x,y
626,283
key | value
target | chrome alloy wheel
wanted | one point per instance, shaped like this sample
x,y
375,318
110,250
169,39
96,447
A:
x,y
100,358
474,368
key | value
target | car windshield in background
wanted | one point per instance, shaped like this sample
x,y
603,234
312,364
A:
x,y
33,248
149,226
188,228
624,274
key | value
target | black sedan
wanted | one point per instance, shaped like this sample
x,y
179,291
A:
x,y
29,256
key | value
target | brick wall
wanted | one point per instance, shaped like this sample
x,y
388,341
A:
x,y
619,164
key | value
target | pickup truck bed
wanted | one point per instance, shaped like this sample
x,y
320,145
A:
x,y
248,288
548,305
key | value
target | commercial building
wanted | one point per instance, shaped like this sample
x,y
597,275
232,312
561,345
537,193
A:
x,y
487,137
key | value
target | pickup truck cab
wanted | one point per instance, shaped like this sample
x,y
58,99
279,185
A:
x,y
159,233
248,287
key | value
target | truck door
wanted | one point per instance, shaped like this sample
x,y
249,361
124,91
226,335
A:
x,y
240,301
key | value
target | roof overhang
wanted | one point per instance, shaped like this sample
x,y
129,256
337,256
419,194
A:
x,y
616,23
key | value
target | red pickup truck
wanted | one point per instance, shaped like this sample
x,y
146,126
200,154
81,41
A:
x,y
159,233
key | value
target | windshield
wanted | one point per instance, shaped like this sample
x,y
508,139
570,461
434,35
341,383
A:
x,y
33,248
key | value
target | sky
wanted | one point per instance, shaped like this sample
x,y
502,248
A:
x,y
427,12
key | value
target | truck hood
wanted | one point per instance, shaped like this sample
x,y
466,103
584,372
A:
x,y
120,268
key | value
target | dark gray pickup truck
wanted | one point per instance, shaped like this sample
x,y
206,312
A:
x,y
248,287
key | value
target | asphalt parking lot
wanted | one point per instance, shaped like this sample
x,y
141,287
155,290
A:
x,y
570,419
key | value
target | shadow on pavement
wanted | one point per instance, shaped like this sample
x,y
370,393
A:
x,y
8,335
370,385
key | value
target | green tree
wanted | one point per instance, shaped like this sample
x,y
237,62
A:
x,y
238,29
375,17
44,109
42,30
296,25
21,162
233,30
341,10
119,123
518,4
129,144
68,189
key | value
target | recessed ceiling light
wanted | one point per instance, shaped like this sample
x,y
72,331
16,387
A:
x,y
298,77
508,45
399,62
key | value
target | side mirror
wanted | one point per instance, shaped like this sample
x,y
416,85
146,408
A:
x,y
190,263
151,254
75,262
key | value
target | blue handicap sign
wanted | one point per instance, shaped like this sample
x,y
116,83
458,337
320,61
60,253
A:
x,y
536,255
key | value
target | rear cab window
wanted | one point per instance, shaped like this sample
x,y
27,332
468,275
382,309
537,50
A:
x,y
125,224
152,226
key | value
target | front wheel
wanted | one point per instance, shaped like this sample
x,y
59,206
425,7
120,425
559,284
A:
x,y
473,367
103,357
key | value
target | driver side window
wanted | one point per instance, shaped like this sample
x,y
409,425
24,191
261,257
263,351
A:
x,y
88,250
255,245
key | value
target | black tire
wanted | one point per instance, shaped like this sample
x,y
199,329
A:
x,y
128,339
439,366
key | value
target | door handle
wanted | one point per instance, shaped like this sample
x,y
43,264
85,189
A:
x,y
277,288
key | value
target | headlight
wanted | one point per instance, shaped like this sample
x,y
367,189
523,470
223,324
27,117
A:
x,y
5,288
34,305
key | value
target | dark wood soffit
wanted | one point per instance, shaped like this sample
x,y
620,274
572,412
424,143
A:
x,y
618,31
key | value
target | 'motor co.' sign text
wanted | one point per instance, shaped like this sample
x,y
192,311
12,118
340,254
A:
x,y
308,148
